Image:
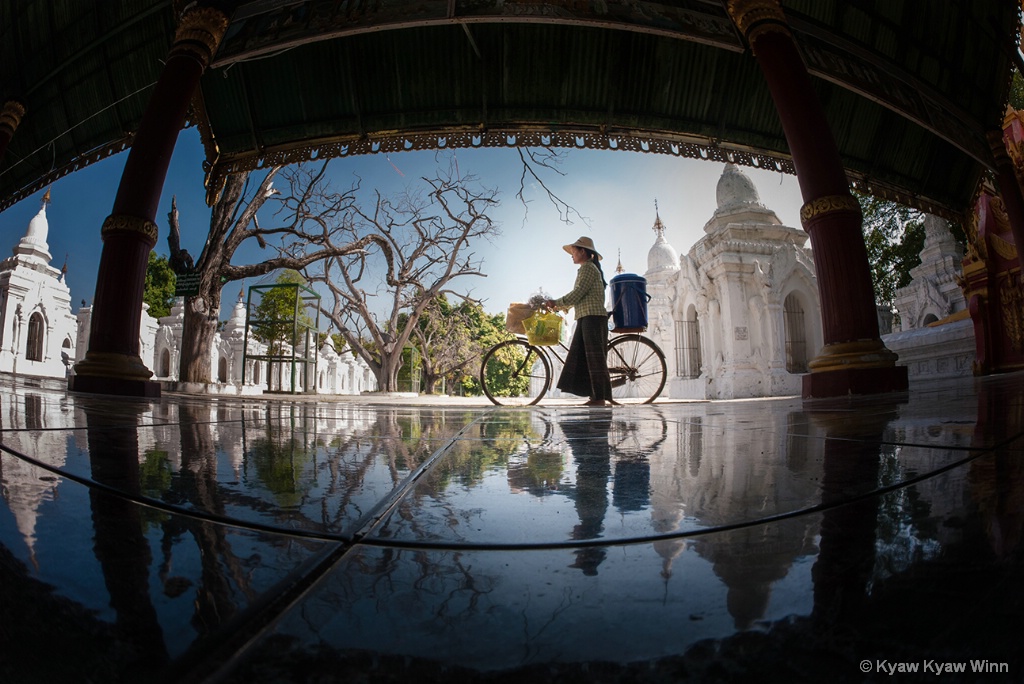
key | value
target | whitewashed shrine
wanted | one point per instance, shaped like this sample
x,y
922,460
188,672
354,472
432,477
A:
x,y
37,328
738,315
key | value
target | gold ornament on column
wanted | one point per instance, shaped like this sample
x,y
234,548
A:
x,y
11,115
129,224
199,34
817,208
756,17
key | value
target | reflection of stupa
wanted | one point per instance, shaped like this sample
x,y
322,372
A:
x,y
27,487
705,475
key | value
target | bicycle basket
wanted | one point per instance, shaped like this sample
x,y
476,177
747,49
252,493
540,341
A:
x,y
543,329
517,313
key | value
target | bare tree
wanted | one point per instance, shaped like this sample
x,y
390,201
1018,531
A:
x,y
534,161
426,242
308,228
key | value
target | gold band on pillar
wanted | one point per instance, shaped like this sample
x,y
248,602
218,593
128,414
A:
x,y
11,115
855,354
129,224
755,17
816,208
199,34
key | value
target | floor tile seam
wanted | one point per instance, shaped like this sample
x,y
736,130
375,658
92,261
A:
x,y
380,512
213,662
163,506
668,536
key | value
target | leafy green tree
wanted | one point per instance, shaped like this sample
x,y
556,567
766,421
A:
x,y
159,288
490,331
447,337
894,237
1017,91
280,320
280,313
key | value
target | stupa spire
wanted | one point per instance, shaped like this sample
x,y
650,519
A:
x,y
659,227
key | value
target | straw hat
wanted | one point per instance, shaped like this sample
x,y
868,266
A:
x,y
585,243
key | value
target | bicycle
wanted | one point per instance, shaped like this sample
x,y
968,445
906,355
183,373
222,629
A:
x,y
518,373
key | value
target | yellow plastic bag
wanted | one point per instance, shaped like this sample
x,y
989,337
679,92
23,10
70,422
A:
x,y
543,329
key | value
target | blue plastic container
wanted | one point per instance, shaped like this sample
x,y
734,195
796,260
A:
x,y
629,303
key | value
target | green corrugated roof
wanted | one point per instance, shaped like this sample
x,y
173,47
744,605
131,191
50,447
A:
x,y
909,86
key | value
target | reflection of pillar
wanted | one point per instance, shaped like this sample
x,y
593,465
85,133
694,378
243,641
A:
x,y
10,118
850,468
119,542
854,359
997,480
112,364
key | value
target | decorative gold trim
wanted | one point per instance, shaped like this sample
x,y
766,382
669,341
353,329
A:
x,y
999,215
199,34
756,17
976,249
997,144
11,115
827,205
855,354
129,224
390,142
1003,248
1011,299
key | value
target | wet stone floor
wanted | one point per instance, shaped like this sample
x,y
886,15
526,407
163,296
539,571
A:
x,y
274,540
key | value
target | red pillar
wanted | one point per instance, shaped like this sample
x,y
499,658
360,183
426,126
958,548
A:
x,y
112,364
10,117
854,358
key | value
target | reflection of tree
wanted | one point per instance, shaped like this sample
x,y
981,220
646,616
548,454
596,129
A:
x,y
906,532
221,570
279,463
487,445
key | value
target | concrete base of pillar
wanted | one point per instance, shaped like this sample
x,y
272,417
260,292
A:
x,y
121,387
839,383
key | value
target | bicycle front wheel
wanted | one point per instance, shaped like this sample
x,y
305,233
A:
x,y
515,373
637,369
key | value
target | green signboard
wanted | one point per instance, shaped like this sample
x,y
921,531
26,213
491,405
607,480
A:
x,y
186,285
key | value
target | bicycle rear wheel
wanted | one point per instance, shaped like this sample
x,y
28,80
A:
x,y
515,373
637,369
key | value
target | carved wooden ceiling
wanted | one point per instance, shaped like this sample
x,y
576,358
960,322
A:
x,y
909,86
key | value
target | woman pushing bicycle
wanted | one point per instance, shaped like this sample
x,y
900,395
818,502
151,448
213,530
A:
x,y
585,372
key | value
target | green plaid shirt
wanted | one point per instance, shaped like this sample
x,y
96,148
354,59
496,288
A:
x,y
587,295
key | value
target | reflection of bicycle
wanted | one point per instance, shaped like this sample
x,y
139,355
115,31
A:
x,y
517,373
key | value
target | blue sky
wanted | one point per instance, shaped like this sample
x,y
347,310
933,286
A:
x,y
616,191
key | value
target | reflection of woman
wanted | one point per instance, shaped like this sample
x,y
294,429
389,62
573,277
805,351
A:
x,y
586,368
588,439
